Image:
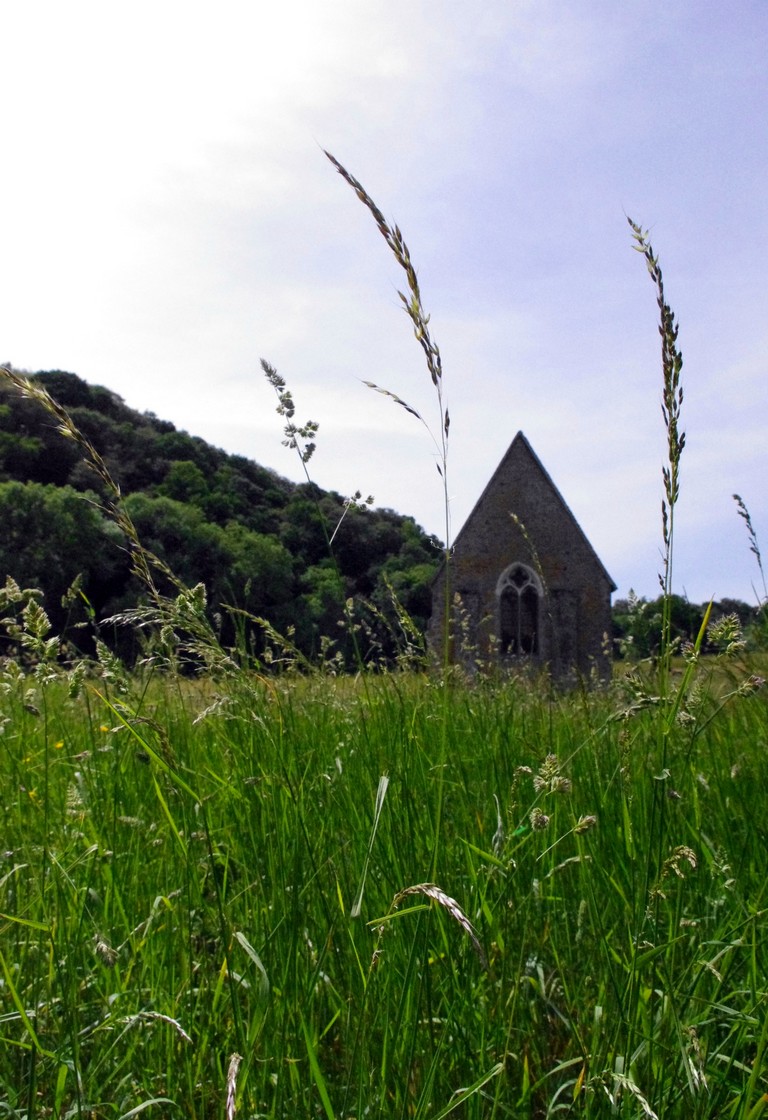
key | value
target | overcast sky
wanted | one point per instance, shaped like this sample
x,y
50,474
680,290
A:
x,y
168,218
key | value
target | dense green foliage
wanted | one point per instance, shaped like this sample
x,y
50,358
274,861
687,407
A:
x,y
258,542
637,623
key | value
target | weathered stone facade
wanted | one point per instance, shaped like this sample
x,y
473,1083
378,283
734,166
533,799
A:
x,y
525,583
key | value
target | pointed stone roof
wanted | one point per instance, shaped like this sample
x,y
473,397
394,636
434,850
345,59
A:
x,y
521,465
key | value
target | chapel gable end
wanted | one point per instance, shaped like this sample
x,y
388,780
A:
x,y
526,585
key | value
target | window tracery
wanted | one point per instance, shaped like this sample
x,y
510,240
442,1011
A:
x,y
519,593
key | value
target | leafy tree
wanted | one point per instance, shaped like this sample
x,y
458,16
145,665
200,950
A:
x,y
185,482
638,623
179,535
259,568
301,528
51,534
321,609
19,453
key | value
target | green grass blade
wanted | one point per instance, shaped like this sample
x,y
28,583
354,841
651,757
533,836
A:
x,y
462,1095
317,1075
381,793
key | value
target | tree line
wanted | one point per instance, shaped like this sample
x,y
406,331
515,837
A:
x,y
637,624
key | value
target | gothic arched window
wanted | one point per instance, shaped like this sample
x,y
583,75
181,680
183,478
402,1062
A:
x,y
519,594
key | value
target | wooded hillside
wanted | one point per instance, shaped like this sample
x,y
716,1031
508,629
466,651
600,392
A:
x,y
256,540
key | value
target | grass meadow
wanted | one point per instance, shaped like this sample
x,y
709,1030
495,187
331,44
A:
x,y
551,919
403,894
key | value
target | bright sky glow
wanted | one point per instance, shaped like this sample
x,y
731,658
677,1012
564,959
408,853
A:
x,y
168,219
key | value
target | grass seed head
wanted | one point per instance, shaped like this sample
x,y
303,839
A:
x,y
451,906
539,820
585,823
234,1066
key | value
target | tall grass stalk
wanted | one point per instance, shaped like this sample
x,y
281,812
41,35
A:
x,y
671,406
760,627
754,547
667,701
301,439
414,309
420,321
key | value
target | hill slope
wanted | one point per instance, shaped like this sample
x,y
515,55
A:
x,y
255,539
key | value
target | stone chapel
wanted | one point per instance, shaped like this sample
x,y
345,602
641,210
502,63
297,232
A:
x,y
526,586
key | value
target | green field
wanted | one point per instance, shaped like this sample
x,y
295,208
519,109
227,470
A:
x,y
182,862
